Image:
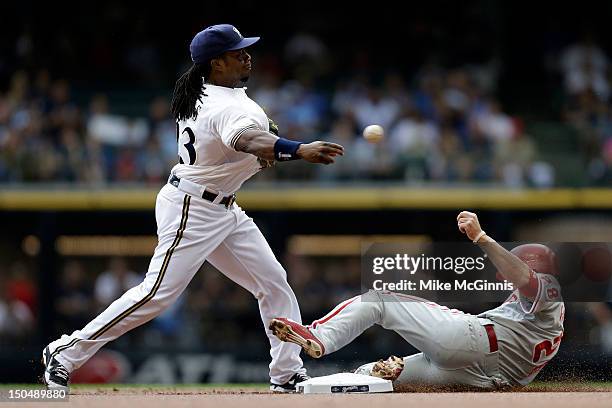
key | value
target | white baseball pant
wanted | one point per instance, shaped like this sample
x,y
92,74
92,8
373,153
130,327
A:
x,y
455,348
191,230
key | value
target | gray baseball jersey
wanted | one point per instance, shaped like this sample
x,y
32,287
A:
x,y
455,347
529,330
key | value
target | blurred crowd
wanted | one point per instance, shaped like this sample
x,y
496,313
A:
x,y
442,124
456,99
584,69
446,128
45,136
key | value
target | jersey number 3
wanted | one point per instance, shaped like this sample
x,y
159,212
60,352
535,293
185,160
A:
x,y
188,146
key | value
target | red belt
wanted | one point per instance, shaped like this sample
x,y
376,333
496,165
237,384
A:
x,y
492,337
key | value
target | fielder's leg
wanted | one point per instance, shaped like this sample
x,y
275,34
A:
x,y
188,231
246,258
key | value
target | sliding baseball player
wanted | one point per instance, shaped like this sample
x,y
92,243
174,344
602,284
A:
x,y
500,348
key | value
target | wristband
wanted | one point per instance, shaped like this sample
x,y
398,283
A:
x,y
285,149
480,235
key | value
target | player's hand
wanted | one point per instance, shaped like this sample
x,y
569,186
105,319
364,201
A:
x,y
468,224
320,152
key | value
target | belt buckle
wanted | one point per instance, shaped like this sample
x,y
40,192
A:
x,y
231,201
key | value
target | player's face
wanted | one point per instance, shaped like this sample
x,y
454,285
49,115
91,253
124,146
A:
x,y
238,64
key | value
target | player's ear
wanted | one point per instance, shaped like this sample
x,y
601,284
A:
x,y
217,64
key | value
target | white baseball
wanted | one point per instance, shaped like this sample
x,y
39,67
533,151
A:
x,y
373,133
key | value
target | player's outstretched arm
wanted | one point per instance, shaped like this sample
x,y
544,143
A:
x,y
270,147
510,266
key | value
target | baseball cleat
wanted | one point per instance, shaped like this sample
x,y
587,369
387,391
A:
x,y
289,386
293,332
388,369
55,376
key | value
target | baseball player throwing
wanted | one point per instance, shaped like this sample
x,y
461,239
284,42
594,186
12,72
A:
x,y
223,138
503,347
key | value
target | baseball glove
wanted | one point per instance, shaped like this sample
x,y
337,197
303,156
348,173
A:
x,y
273,127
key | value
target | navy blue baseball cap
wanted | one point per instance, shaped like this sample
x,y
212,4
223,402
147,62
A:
x,y
217,39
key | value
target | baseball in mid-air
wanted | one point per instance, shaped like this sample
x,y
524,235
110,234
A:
x,y
373,133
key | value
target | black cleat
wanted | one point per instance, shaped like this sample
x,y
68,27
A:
x,y
289,386
55,376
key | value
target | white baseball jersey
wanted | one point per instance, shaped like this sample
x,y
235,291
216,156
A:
x,y
206,143
192,230
529,331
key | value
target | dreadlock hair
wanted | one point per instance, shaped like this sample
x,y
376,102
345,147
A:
x,y
188,90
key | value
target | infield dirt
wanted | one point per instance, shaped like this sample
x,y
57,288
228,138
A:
x,y
151,397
